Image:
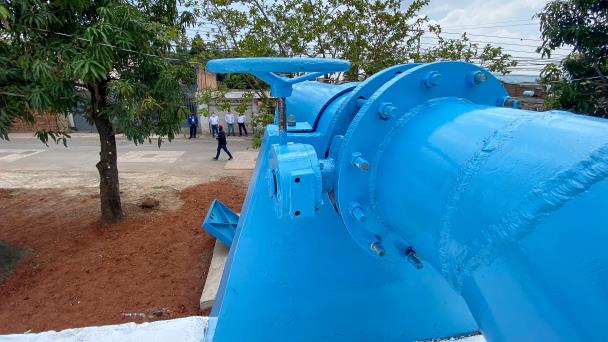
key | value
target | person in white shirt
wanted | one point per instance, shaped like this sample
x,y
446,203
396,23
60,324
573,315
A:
x,y
214,121
242,118
230,122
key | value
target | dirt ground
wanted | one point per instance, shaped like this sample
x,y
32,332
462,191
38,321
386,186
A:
x,y
77,273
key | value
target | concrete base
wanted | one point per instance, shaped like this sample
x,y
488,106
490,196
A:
x,y
243,160
214,276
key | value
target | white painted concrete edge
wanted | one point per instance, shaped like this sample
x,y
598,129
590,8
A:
x,y
187,329
214,276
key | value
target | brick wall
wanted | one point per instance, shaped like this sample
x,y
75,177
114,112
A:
x,y
205,80
43,122
536,102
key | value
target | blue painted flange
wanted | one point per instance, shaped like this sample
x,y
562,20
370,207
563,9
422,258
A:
x,y
388,108
358,97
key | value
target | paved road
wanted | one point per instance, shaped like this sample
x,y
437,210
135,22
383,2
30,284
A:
x,y
27,163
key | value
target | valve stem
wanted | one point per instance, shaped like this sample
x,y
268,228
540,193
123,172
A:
x,y
282,120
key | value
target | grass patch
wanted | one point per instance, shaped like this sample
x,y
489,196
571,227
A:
x,y
9,258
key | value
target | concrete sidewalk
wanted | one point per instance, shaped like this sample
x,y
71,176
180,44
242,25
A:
x,y
25,162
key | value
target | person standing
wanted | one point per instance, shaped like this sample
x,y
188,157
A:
x,y
230,122
214,121
193,121
222,143
242,118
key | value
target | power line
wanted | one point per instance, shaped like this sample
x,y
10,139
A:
x,y
498,43
484,27
506,22
492,36
488,42
514,22
503,49
468,34
494,42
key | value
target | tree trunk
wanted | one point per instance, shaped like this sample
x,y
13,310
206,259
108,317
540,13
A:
x,y
109,189
603,78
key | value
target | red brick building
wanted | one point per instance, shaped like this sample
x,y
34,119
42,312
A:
x,y
43,122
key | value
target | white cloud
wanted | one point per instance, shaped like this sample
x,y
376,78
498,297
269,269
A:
x,y
475,12
487,20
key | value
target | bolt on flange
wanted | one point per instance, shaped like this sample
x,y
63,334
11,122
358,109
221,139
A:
x,y
386,110
432,79
358,161
377,248
357,212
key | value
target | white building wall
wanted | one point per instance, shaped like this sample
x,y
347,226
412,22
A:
x,y
234,97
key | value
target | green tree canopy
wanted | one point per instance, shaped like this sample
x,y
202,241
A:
x,y
579,82
117,56
372,35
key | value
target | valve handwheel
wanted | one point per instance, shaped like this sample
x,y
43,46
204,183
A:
x,y
265,68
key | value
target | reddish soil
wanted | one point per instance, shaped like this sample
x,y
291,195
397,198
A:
x,y
150,266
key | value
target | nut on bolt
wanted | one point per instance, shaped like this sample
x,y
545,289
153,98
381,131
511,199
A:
x,y
476,78
413,258
432,79
377,248
360,162
386,110
357,212
508,102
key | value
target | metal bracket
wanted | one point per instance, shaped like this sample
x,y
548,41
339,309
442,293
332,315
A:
x,y
221,222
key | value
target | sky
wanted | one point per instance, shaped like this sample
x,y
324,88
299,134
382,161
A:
x,y
505,23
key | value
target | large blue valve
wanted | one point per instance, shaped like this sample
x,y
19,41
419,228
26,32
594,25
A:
x,y
422,204
266,69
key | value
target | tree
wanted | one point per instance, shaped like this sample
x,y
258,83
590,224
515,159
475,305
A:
x,y
487,56
579,82
197,45
372,35
117,56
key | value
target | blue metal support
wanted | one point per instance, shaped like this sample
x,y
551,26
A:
x,y
419,204
221,222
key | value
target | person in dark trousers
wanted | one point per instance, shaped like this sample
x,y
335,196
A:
x,y
214,120
193,121
241,121
221,143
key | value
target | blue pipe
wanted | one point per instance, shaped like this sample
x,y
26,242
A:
x,y
511,207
